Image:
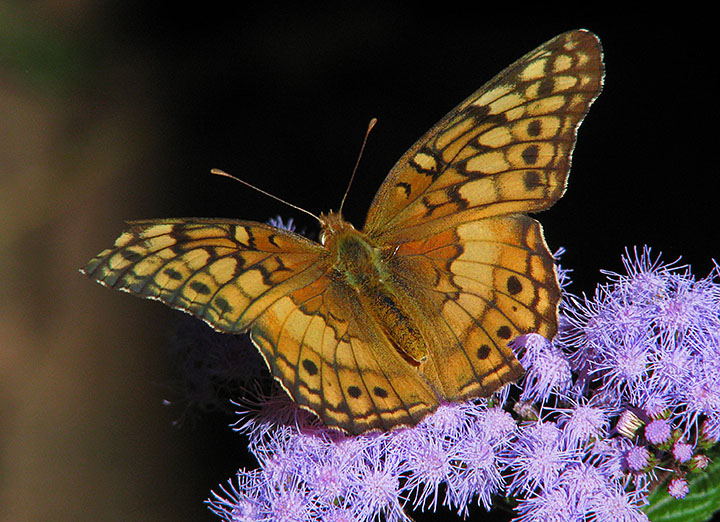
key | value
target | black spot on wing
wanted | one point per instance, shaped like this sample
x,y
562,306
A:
x,y
477,112
530,154
504,332
173,274
310,367
534,128
546,87
200,288
380,392
514,286
222,305
483,352
531,179
131,255
481,115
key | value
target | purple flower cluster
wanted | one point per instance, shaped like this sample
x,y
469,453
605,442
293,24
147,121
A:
x,y
626,396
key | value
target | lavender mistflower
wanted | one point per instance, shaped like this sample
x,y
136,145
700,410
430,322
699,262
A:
x,y
638,458
278,222
499,426
616,505
682,452
628,390
584,481
699,462
428,466
537,457
548,368
710,430
376,480
582,421
550,505
477,471
240,500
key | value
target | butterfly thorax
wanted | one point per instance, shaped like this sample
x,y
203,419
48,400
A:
x,y
353,254
361,265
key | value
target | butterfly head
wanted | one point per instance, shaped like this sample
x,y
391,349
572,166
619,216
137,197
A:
x,y
332,224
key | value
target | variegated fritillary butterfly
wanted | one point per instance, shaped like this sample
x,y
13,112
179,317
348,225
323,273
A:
x,y
373,329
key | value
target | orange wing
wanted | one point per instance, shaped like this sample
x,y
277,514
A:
x,y
334,360
451,212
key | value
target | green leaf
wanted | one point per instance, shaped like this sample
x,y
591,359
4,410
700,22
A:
x,y
700,503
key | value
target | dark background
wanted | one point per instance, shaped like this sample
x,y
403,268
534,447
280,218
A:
x,y
115,111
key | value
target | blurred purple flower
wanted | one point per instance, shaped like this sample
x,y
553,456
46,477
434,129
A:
x,y
682,452
278,222
678,487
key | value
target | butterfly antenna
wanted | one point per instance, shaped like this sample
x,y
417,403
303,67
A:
x,y
362,148
219,172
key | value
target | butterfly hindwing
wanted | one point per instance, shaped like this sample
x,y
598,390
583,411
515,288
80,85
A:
x,y
491,281
333,360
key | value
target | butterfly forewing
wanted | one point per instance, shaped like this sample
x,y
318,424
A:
x,y
506,149
314,336
224,272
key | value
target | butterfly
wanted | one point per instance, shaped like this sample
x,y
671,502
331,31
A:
x,y
373,329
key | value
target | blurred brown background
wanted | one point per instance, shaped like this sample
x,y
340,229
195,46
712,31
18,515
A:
x,y
111,111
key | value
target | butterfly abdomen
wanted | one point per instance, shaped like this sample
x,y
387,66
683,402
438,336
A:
x,y
396,323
